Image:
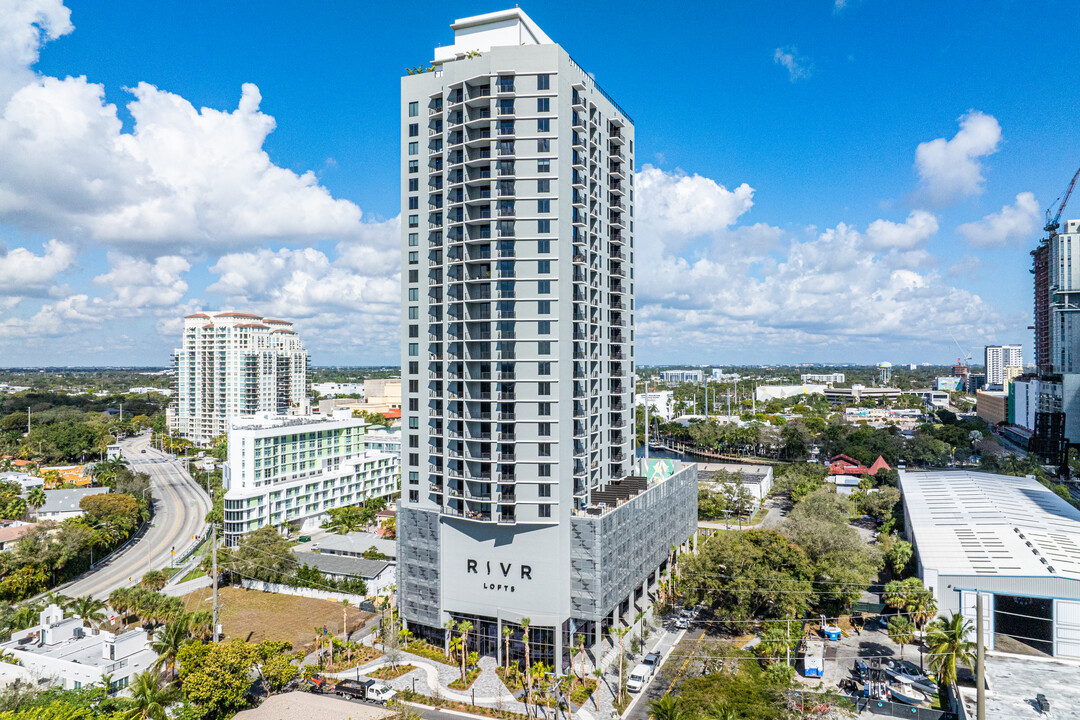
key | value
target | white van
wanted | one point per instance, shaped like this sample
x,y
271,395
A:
x,y
639,678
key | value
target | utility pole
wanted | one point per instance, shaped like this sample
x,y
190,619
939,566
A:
x,y
646,427
787,644
213,554
980,661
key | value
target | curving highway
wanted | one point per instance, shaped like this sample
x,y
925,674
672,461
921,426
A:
x,y
180,507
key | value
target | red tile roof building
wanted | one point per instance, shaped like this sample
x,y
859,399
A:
x,y
845,465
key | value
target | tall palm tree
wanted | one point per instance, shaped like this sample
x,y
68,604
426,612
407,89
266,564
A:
x,y
525,622
58,599
581,651
90,609
507,633
621,633
168,643
464,627
148,698
199,624
949,646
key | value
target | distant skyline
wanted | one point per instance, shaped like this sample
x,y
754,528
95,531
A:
x,y
849,181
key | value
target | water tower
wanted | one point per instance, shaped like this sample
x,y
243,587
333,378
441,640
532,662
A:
x,y
884,373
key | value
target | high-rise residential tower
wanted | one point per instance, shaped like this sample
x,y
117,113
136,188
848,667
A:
x,y
517,348
235,364
998,358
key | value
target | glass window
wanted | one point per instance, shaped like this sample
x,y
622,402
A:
x,y
414,257
544,449
543,429
543,368
414,184
414,423
414,294
414,312
414,496
414,221
543,206
543,389
544,308
543,267
543,82
414,166
543,226
543,186
414,203
414,331
545,510
543,166
414,109
543,327
543,125
545,491
414,239
414,147
543,287
414,129
543,145
414,349
543,246
543,105
414,276
544,347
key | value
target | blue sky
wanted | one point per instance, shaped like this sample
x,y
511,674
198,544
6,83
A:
x,y
818,181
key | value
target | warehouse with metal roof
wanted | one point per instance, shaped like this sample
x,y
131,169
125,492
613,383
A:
x,y
1008,538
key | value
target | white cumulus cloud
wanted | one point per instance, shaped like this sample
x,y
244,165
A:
x,y
798,67
138,283
21,271
951,170
919,227
1013,224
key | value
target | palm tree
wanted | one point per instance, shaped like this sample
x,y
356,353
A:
x,y
345,618
581,651
90,609
525,622
621,633
200,623
949,646
35,498
58,599
598,673
149,698
901,631
667,707
507,633
170,640
922,606
106,682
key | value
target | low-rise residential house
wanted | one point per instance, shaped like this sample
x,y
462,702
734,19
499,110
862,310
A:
x,y
27,481
845,465
356,544
63,504
67,652
378,575
12,531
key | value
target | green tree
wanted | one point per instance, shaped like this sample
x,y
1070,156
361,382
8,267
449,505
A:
x,y
168,643
90,609
898,555
949,646
215,677
668,707
149,698
901,631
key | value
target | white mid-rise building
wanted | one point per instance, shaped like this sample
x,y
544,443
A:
x,y
661,403
682,376
234,364
289,469
828,378
998,358
67,652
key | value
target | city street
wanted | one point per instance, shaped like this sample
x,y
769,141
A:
x,y
180,507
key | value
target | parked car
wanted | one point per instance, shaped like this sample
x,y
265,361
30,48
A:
x,y
652,660
682,623
639,678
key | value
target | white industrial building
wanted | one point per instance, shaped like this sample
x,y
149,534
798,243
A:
x,y
67,652
765,393
288,469
1008,538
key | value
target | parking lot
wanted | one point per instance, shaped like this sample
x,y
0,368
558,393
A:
x,y
840,656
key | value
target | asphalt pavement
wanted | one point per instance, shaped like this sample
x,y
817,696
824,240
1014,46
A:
x,y
180,508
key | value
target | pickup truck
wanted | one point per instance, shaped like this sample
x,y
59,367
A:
x,y
369,690
639,678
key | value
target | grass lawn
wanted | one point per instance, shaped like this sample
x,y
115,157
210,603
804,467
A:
x,y
470,678
254,615
390,673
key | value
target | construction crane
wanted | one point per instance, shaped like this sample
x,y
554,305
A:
x,y
1054,222
965,357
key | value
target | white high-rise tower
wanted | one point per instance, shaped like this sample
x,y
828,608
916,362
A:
x,y
517,343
